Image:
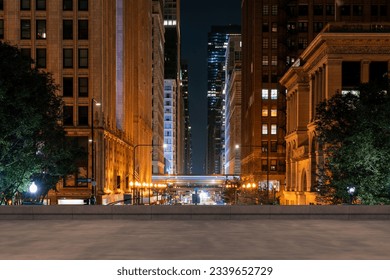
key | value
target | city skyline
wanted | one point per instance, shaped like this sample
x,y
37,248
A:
x,y
196,23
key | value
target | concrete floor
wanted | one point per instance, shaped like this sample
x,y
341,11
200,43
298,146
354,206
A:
x,y
250,239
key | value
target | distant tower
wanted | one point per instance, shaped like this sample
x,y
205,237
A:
x,y
232,106
172,77
217,43
158,86
187,123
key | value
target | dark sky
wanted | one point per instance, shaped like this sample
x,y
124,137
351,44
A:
x,y
197,16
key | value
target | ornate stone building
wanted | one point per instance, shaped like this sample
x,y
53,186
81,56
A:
x,y
100,54
340,58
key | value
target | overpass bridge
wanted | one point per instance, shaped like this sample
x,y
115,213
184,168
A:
x,y
191,181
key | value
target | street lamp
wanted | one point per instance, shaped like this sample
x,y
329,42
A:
x,y
351,191
93,189
134,153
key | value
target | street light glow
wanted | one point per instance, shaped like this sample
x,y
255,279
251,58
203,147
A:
x,y
33,188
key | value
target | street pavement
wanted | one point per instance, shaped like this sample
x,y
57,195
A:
x,y
192,239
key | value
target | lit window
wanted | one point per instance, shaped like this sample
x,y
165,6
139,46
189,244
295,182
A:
x,y
264,129
273,165
274,129
274,94
264,94
274,112
274,27
41,29
265,10
274,10
274,43
264,111
265,43
265,60
274,60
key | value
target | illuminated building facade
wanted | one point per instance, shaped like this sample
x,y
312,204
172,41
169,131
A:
x,y
102,64
233,106
274,34
187,123
338,60
216,51
158,86
172,76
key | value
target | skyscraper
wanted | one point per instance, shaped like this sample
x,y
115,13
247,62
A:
x,y
274,34
187,123
232,106
105,82
216,49
158,86
172,77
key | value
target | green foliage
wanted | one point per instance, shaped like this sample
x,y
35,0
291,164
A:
x,y
355,130
32,141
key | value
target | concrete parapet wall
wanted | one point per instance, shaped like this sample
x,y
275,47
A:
x,y
162,212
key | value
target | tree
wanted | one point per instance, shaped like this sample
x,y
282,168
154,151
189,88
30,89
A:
x,y
354,130
32,140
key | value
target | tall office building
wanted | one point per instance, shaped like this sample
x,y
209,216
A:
x,y
187,123
172,75
170,132
158,86
274,34
232,106
216,50
102,64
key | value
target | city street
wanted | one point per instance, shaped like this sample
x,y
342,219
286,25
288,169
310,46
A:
x,y
211,239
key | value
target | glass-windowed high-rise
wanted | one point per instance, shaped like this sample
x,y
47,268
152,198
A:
x,y
216,51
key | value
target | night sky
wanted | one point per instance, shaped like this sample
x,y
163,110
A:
x,y
197,17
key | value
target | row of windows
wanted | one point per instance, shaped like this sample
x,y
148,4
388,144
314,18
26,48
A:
x,y
274,10
329,10
274,60
82,113
25,29
265,94
273,165
265,111
265,129
82,87
274,43
82,58
40,58
40,5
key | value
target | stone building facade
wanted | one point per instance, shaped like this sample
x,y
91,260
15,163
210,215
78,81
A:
x,y
340,58
100,54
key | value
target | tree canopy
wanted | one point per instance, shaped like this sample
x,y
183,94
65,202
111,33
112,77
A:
x,y
32,141
354,129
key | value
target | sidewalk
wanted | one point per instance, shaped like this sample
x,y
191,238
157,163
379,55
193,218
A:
x,y
194,239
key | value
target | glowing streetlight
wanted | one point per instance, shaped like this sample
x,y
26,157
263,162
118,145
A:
x,y
33,188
